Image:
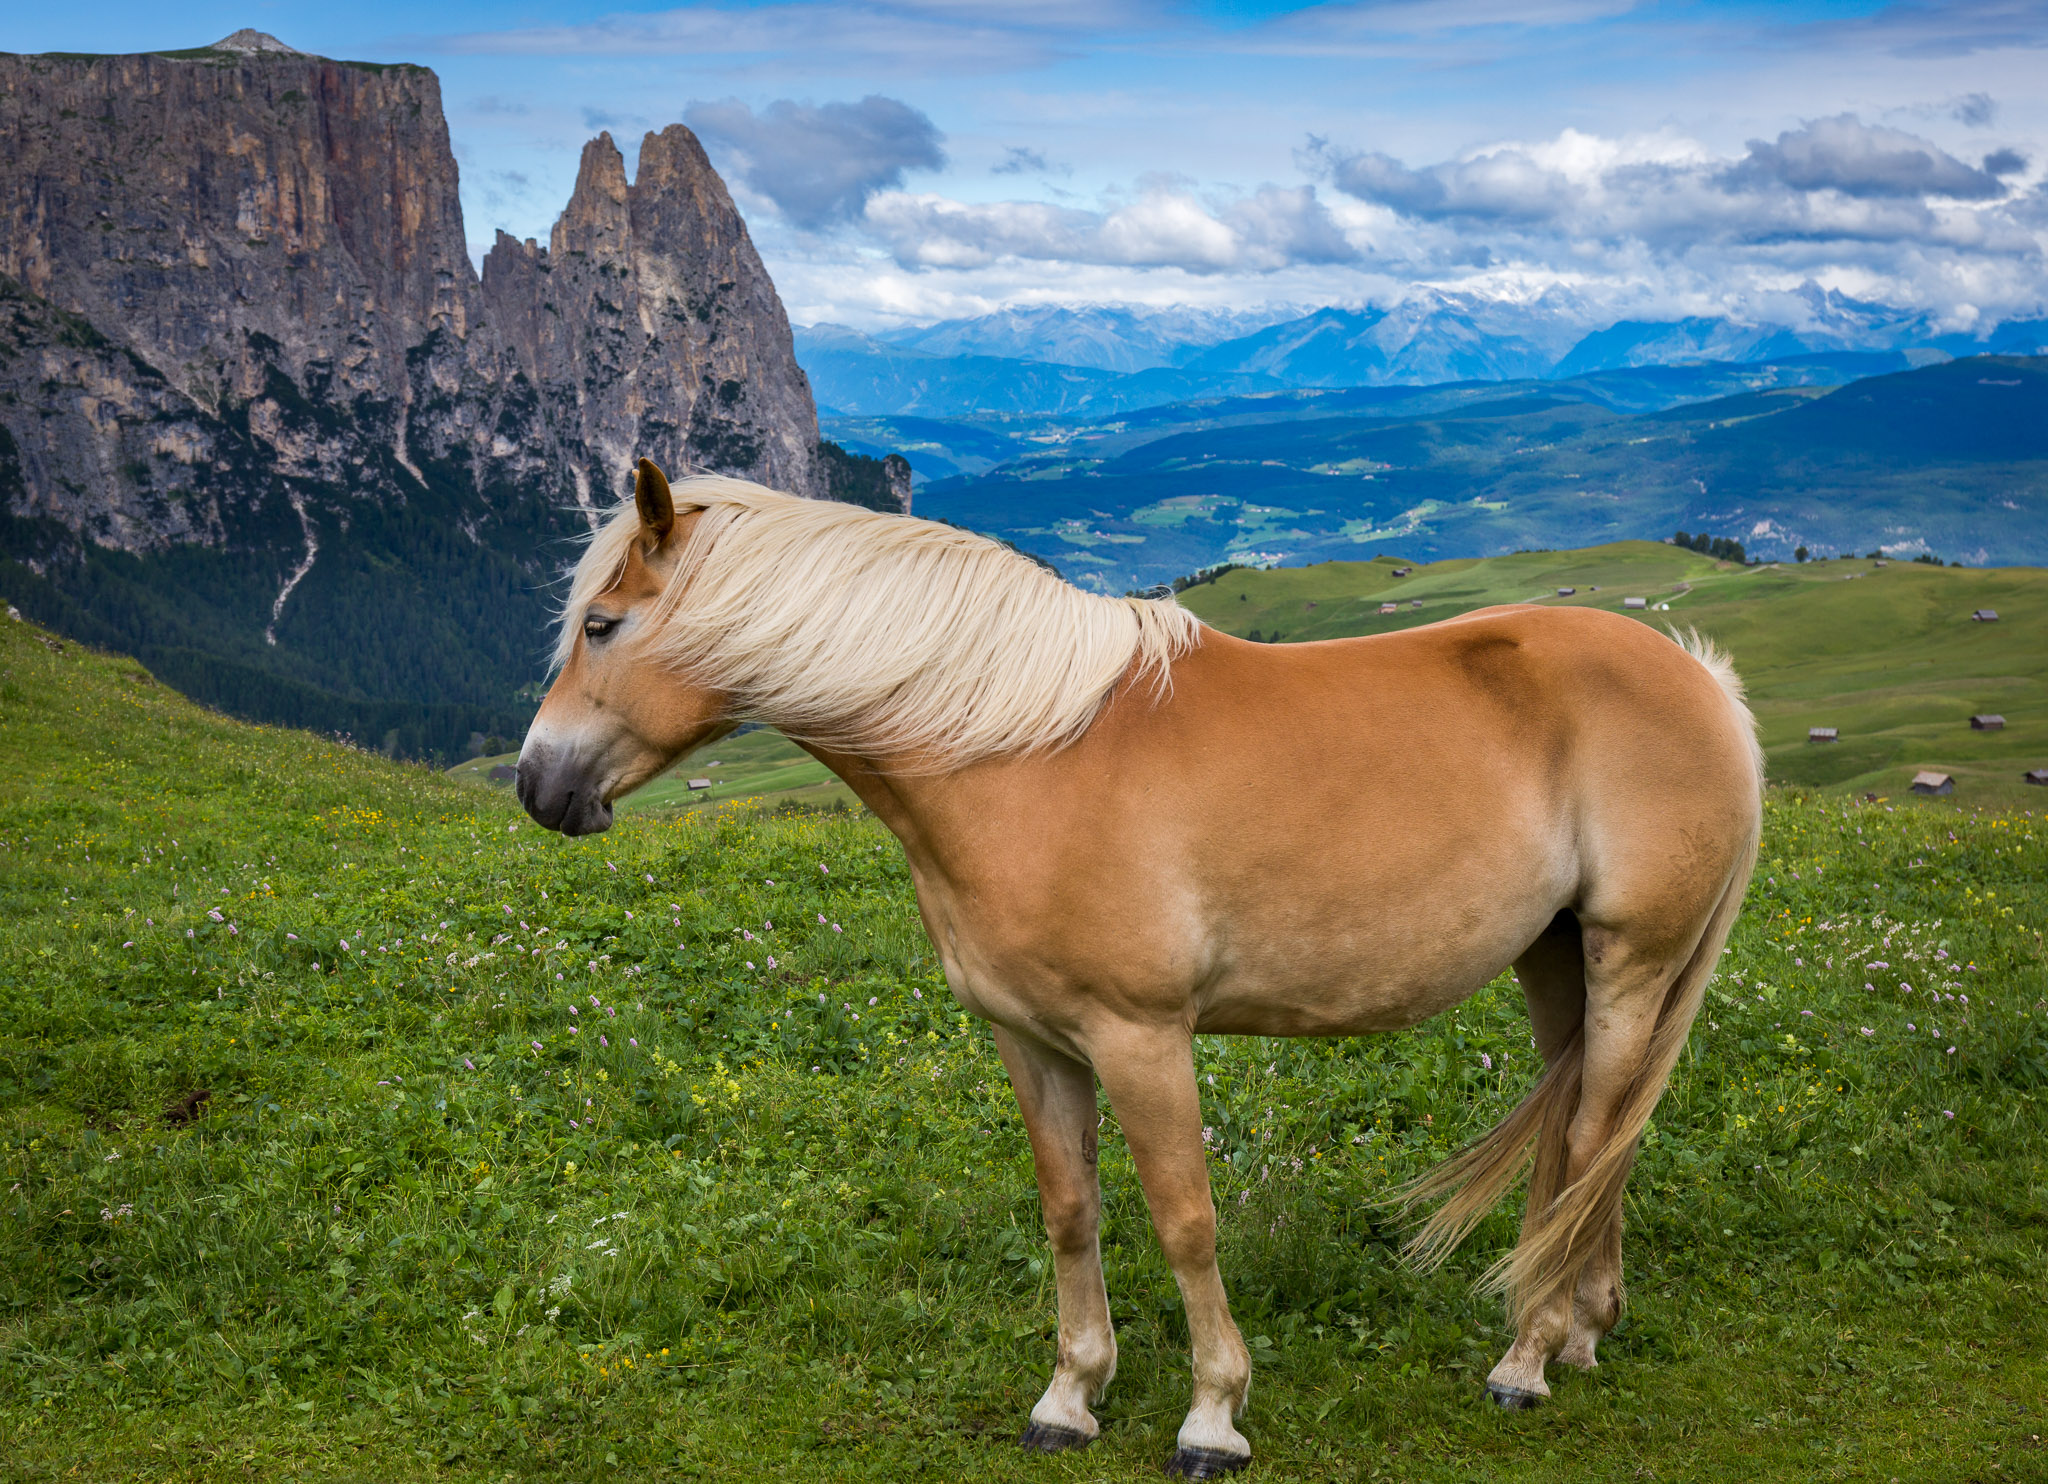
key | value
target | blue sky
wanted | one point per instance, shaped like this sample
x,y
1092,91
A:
x,y
916,159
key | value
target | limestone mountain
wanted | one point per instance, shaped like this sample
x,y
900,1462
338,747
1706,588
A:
x,y
263,424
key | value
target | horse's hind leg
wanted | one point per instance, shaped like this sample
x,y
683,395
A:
x,y
1057,1096
1552,972
1553,977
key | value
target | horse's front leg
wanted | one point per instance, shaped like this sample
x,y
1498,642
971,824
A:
x,y
1057,1096
1149,1074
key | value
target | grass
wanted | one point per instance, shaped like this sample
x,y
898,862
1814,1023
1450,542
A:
x,y
761,769
426,1225
1888,654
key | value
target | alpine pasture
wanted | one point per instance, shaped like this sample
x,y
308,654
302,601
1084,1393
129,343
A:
x,y
354,1128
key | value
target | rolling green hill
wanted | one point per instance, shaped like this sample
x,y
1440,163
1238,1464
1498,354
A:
x,y
1885,653
353,1129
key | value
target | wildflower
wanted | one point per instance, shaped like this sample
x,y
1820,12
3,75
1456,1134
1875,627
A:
x,y
821,917
1911,1027
129,944
536,1045
573,1124
1878,963
1871,987
572,1030
767,883
835,928
1867,1030
746,935
750,963
1486,1060
1945,1113
650,880
771,960
1950,1052
572,1009
632,1041
604,1043
469,1064
1806,1012
872,1000
767,927
917,994
292,937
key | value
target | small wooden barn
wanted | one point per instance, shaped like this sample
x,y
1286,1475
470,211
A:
x,y
1415,602
1986,722
1985,615
1635,602
698,783
1390,607
2035,775
1403,571
1933,783
1822,734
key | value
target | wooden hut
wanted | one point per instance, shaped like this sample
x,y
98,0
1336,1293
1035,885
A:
x,y
699,783
2035,775
1403,571
1390,607
1933,783
1566,592
1987,723
1985,615
1822,734
1635,602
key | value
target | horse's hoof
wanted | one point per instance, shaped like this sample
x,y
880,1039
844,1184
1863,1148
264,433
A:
x,y
1204,1463
1039,1438
1513,1398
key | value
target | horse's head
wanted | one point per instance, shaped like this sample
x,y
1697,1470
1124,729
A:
x,y
616,714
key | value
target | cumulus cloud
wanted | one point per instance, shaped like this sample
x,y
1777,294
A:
x,y
820,163
1858,159
1165,226
1834,179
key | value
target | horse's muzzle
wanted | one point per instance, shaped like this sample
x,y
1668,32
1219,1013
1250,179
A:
x,y
561,795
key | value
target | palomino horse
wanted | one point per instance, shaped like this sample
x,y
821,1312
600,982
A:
x,y
1126,829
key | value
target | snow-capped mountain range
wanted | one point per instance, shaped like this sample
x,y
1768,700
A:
x,y
1114,358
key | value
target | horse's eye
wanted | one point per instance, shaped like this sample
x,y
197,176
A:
x,y
597,628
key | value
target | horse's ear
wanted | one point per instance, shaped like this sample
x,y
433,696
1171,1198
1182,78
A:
x,y
657,505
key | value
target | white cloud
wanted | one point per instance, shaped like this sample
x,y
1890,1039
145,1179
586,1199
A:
x,y
1165,226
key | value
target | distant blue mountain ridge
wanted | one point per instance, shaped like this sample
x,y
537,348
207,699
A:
x,y
1106,360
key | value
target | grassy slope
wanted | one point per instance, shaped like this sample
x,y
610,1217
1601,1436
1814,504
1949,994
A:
x,y
422,1231
1887,655
763,768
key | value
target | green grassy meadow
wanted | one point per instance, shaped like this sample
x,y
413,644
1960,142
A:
x,y
664,1154
1888,655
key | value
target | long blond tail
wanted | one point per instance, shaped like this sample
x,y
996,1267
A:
x,y
1470,1184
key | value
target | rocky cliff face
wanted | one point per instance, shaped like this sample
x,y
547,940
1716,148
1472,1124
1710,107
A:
x,y
242,346
648,326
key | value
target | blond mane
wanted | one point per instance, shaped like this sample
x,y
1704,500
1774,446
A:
x,y
879,634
